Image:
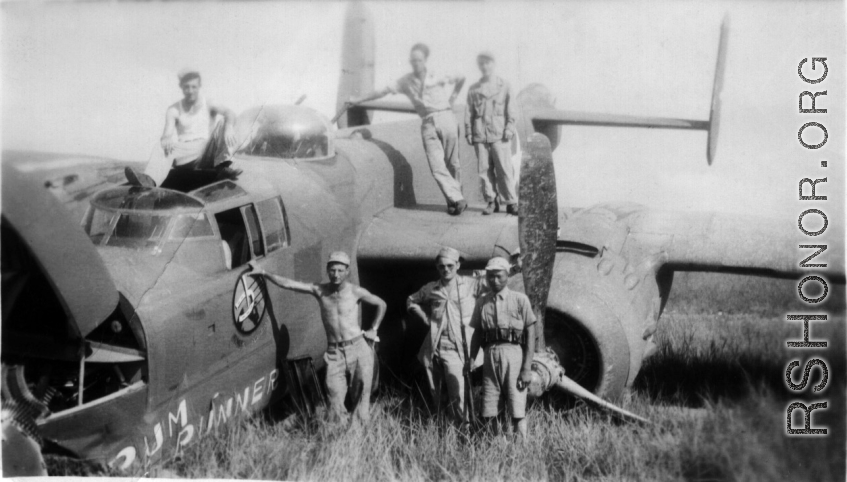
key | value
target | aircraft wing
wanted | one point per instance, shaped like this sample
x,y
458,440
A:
x,y
734,243
705,241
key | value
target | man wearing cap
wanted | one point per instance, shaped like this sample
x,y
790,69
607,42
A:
x,y
450,303
192,141
489,127
349,356
505,326
439,129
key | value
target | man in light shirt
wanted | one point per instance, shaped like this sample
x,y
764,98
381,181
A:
x,y
439,129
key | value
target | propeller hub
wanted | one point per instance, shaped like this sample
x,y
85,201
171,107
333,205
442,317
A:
x,y
546,373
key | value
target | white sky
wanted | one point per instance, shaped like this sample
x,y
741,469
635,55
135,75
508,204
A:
x,y
96,79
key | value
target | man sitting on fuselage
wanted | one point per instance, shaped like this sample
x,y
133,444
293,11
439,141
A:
x,y
199,154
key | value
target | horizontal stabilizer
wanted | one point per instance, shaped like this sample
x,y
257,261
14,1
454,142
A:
x,y
563,117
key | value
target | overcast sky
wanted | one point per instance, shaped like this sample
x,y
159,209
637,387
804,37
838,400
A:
x,y
96,78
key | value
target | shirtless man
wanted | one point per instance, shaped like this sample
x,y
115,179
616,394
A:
x,y
349,358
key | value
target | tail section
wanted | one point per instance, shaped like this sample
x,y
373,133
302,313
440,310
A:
x,y
357,63
539,115
717,87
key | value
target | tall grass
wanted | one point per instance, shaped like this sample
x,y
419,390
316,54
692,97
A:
x,y
714,391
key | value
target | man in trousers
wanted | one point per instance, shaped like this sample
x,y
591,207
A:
x,y
439,129
450,303
505,326
490,127
349,357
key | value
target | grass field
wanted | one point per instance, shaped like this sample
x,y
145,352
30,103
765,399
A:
x,y
715,393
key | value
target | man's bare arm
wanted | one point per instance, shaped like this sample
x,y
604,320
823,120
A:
x,y
229,119
372,299
460,82
413,305
528,351
167,140
377,94
284,282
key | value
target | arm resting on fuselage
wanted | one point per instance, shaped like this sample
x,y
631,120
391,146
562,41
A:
x,y
285,283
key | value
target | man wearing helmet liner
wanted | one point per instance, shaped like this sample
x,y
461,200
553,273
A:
x,y
349,357
450,302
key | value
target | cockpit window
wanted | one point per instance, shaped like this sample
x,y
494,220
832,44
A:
x,y
139,218
144,199
219,191
191,226
285,132
127,230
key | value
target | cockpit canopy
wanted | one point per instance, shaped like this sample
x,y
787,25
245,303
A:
x,y
285,132
136,217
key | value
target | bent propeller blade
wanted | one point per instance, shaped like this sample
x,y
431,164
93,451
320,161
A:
x,y
569,386
538,222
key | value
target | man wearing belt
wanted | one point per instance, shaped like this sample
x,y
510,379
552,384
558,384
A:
x,y
450,302
439,129
349,358
489,127
505,325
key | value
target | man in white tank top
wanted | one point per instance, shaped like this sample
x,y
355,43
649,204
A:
x,y
196,144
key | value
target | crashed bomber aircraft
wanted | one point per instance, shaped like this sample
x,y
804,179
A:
x,y
129,328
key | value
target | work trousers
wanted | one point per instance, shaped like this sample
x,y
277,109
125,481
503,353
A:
x,y
496,172
350,368
440,134
500,372
448,369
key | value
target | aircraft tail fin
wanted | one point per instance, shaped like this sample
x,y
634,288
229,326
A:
x,y
357,63
546,119
717,88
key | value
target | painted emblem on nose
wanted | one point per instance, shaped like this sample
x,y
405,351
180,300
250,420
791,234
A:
x,y
248,304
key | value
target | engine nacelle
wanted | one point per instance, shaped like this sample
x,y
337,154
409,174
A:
x,y
602,309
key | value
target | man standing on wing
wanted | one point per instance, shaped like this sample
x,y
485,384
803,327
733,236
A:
x,y
450,302
349,358
489,127
439,129
192,140
505,325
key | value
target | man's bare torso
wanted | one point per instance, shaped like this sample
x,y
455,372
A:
x,y
339,311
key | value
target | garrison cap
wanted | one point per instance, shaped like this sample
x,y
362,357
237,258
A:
x,y
485,54
338,257
187,74
449,253
498,264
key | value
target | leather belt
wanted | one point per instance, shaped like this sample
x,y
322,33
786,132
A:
x,y
342,344
503,335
